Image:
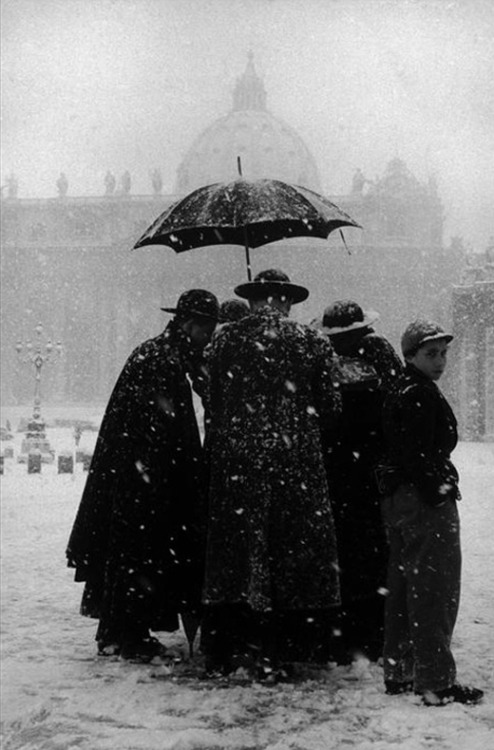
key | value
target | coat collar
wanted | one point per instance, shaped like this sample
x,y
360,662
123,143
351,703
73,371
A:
x,y
269,310
176,336
416,374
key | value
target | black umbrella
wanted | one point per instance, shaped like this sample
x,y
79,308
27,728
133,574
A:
x,y
244,212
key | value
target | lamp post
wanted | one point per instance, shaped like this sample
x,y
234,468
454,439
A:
x,y
37,354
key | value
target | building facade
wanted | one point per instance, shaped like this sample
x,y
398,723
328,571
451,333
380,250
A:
x,y
472,371
67,261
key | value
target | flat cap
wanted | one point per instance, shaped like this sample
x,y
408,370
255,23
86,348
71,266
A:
x,y
419,332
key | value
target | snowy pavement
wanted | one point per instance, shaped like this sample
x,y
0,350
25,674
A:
x,y
58,695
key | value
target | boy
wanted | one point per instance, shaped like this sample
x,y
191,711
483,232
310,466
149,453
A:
x,y
420,513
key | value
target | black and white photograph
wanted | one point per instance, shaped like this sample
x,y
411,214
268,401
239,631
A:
x,y
247,374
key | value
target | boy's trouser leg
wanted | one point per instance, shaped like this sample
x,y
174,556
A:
x,y
398,650
427,541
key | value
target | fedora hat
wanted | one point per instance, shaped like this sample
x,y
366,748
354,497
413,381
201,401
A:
x,y
272,281
345,315
195,303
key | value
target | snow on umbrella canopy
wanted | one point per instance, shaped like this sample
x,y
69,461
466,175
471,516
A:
x,y
244,212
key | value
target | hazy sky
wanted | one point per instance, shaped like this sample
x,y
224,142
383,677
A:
x,y
91,85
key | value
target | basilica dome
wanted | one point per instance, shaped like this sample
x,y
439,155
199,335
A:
x,y
267,147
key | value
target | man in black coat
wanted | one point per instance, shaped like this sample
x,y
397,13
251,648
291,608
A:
x,y
271,582
368,365
138,538
421,490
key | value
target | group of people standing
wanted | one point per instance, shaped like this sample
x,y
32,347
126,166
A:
x,y
269,531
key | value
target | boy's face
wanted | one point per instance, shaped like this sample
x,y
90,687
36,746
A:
x,y
431,358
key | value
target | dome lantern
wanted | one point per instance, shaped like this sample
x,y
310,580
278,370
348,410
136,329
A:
x,y
249,92
267,146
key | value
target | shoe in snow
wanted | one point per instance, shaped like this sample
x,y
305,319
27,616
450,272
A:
x,y
393,687
143,651
453,694
108,649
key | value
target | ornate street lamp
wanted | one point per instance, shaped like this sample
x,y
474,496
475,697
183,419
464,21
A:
x,y
37,354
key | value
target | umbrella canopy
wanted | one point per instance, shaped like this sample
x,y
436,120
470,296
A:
x,y
244,212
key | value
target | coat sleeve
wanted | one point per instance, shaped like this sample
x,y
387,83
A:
x,y
327,395
421,462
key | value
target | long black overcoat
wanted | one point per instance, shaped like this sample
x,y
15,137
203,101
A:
x,y
138,537
271,541
351,459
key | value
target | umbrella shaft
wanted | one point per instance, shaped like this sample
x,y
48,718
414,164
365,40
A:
x,y
247,255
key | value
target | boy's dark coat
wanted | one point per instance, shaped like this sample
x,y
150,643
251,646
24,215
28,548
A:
x,y
421,433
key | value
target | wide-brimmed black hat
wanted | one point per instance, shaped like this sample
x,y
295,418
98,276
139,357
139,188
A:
x,y
345,315
272,281
195,303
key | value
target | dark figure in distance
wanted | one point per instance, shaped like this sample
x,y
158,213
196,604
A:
x,y
139,535
110,183
62,185
12,186
125,183
157,182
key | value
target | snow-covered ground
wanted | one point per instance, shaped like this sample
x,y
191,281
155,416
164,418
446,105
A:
x,y
58,695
